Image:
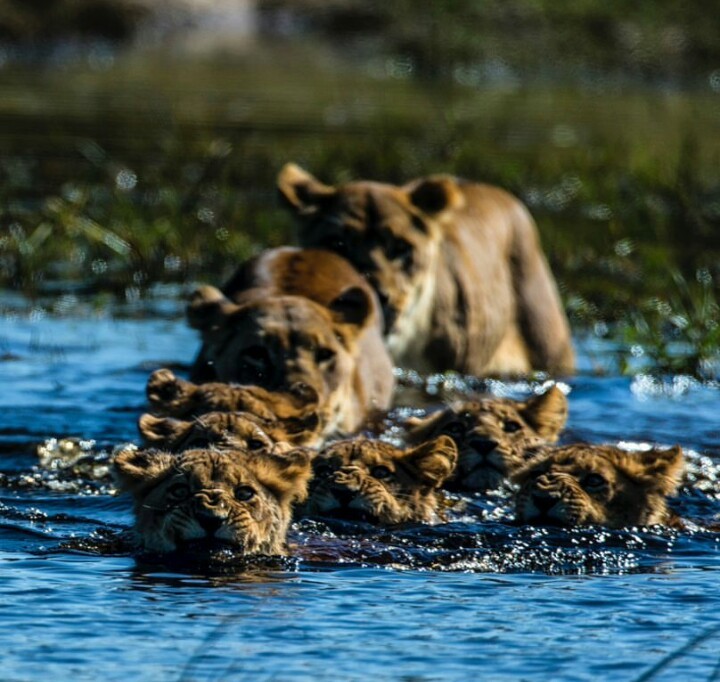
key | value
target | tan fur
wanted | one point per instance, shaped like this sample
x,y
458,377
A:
x,y
377,482
598,484
298,317
494,436
222,430
240,498
222,410
457,265
172,396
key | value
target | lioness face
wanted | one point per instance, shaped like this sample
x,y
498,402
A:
x,y
240,498
586,484
281,342
237,430
374,481
388,233
494,436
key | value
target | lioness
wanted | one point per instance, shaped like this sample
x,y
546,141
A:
x,y
457,266
240,498
374,481
598,484
494,436
295,316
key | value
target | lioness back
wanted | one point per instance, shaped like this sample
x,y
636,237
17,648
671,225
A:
x,y
457,266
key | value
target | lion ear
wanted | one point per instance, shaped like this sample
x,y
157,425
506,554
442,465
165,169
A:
x,y
135,469
162,431
207,309
421,428
434,460
287,474
435,194
547,413
662,469
352,306
301,191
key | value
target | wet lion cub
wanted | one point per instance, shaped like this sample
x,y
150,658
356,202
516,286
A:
x,y
369,480
242,499
494,436
457,266
598,484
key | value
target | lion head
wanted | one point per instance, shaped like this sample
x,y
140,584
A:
x,y
172,396
494,436
388,233
374,481
284,341
239,430
598,484
240,498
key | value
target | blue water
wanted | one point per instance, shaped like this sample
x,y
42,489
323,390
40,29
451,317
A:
x,y
476,598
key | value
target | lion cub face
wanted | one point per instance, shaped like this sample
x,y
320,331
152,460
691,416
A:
x,y
388,233
374,481
494,436
598,484
236,497
280,342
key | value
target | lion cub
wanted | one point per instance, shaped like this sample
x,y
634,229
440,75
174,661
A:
x,y
239,498
598,484
370,480
494,436
238,430
457,266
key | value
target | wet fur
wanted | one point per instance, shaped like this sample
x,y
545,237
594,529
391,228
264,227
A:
x,y
494,436
377,482
199,495
598,484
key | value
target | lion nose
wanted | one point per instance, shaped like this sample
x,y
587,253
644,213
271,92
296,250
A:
x,y
543,503
343,496
209,522
483,446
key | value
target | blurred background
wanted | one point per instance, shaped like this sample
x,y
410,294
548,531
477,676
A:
x,y
139,142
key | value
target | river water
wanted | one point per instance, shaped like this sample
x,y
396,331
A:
x,y
475,598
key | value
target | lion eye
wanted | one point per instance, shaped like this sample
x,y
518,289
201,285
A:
x,y
243,493
323,470
380,472
455,429
400,250
178,491
511,426
594,481
255,444
324,354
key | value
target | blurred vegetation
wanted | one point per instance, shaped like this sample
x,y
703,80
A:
x,y
155,165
